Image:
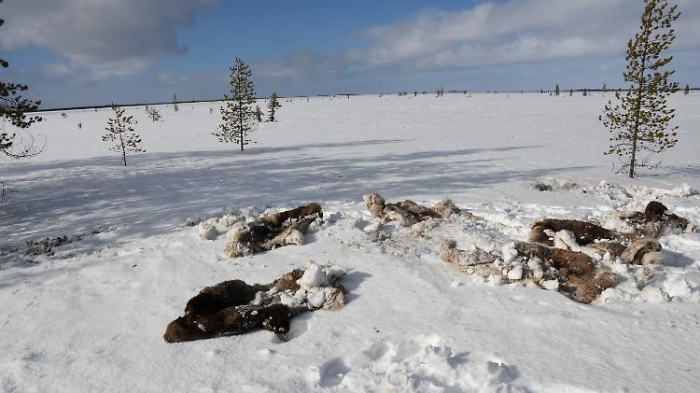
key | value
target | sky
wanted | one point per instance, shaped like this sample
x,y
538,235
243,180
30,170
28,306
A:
x,y
97,52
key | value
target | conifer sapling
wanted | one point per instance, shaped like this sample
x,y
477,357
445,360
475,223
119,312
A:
x,y
120,130
273,105
641,118
153,114
238,115
258,113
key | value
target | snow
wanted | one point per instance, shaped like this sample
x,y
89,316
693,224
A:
x,y
207,231
90,315
516,273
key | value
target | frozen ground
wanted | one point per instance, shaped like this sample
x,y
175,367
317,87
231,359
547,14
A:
x,y
91,316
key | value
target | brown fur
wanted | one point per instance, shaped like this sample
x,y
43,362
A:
x,y
375,203
446,209
230,321
283,237
655,211
584,232
421,213
335,300
578,276
581,280
614,248
288,282
406,213
533,250
278,219
273,231
656,220
232,308
573,263
635,252
464,259
213,299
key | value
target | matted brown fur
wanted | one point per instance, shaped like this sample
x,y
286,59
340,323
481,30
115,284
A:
x,y
579,277
274,230
636,251
581,280
277,219
463,259
375,203
223,295
615,249
584,232
231,308
229,321
656,212
408,212
586,290
288,282
573,263
656,220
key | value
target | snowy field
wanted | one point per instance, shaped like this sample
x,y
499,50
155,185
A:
x,y
90,316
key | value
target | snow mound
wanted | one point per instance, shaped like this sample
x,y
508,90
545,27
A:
x,y
615,192
207,231
317,289
553,185
421,364
318,276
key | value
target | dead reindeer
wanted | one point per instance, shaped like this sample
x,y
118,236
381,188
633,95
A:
x,y
279,219
230,321
273,230
223,295
579,276
572,273
583,232
408,213
468,261
656,220
234,307
644,251
635,248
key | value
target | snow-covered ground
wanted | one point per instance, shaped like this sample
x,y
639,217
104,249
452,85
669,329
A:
x,y
91,316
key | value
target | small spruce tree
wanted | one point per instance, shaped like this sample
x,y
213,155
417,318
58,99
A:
x,y
238,114
273,105
153,114
120,130
258,113
641,119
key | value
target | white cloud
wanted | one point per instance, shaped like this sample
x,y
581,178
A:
x,y
55,69
516,31
109,37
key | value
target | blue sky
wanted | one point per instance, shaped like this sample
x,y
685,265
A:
x,y
72,52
